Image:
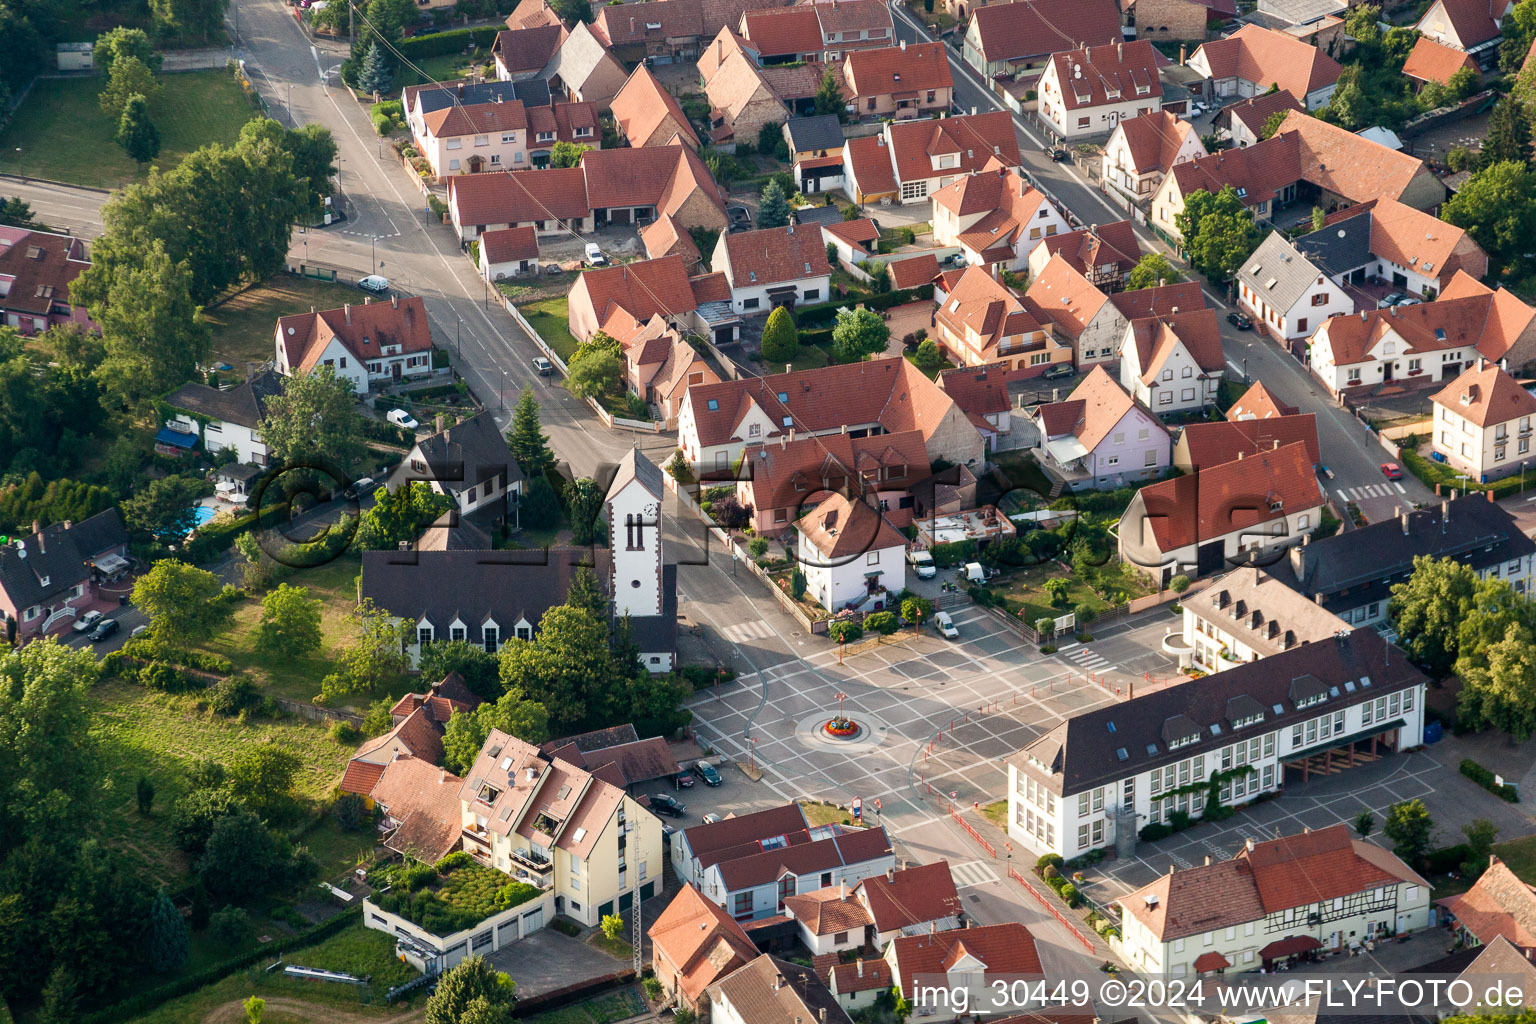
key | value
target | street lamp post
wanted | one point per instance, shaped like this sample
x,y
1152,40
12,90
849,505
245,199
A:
x,y
458,350
503,390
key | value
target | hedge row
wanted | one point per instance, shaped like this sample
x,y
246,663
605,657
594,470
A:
x,y
189,983
827,312
1483,777
457,40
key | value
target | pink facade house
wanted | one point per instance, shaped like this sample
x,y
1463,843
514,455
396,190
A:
x,y
1101,437
51,575
36,270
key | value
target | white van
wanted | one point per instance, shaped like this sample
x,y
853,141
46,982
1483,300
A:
x,y
922,564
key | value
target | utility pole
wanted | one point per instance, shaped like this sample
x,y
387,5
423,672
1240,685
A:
x,y
351,22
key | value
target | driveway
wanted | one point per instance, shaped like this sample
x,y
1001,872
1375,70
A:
x,y
547,960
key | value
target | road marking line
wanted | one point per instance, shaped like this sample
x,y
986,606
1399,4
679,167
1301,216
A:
x,y
1342,496
1400,489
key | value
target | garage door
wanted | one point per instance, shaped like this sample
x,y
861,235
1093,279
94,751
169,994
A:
x,y
533,922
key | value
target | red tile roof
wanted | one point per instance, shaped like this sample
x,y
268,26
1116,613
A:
x,y
772,255
1486,394
1230,497
869,158
981,304
1258,403
360,777
858,233
1435,62
1062,295
911,896
1268,57
659,176
531,14
1115,73
424,800
1499,903
828,911
363,330
1092,410
892,69
1413,238
1163,300
1258,172
1486,320
1342,162
808,856
506,244
840,528
700,940
1035,28
1156,338
41,265
914,272
1114,244
1218,441
643,104
1211,962
557,193
659,20
1003,948
635,292
850,16
788,474
974,138
782,31
1154,139
860,976
528,49
1254,112
1472,20
978,390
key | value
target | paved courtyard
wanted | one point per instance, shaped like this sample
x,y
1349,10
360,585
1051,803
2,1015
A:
x,y
940,717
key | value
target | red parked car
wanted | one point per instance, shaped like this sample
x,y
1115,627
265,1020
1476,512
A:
x,y
1391,470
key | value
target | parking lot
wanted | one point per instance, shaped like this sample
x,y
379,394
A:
x,y
939,717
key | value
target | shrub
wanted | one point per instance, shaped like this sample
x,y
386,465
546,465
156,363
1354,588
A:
x,y
1048,860
883,623
1447,858
1069,895
1179,584
229,697
345,732
230,925
1485,778
1051,871
653,990
845,631
439,44
1155,831
413,877
758,546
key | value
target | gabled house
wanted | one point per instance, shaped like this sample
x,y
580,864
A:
x,y
1410,250
551,201
1352,574
227,418
1077,311
1212,443
583,70
780,481
783,35
1100,437
877,910
858,984
741,101
981,321
1103,253
1424,343
1172,20
46,576
902,81
508,252
419,804
375,343
719,422
1253,58
660,367
521,52
1264,176
419,722
1286,293
774,267
36,270
621,300
664,237
1138,761
1244,120
668,31
852,25
1430,61
694,943
1258,403
1322,889
1089,90
981,392
1173,363
1483,423
1142,150
489,598
532,14
750,863
471,127
1017,39
1346,168
815,152
1247,615
915,160
1472,26
648,115
471,464
1500,907
636,186
773,991
962,957
1222,516
851,555
854,240
995,216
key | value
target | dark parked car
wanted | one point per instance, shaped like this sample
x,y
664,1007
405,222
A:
x,y
104,629
1057,153
707,773
682,780
663,804
1240,320
1058,371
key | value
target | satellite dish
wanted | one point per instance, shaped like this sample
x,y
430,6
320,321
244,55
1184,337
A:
x,y
1077,71
1341,232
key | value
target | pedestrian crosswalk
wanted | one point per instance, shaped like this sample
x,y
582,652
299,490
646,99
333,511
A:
x,y
741,632
1371,491
1087,658
974,872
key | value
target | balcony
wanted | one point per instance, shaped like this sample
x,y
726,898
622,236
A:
x,y
478,836
532,864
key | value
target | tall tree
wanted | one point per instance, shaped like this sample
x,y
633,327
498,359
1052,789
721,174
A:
x,y
773,212
165,509
311,150
260,776
16,212
526,438
1428,609
566,667
1496,660
829,98
153,331
314,422
241,858
1409,828
584,501
1151,270
376,75
398,514
124,42
1509,134
46,746
168,939
472,987
473,663
512,713
136,133
387,18
1218,231
595,373
1497,207
1518,30
290,622
572,11
185,604
127,78
858,334
376,660
190,19
781,341
585,592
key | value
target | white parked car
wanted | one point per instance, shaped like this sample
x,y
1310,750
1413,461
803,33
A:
x,y
595,255
401,418
945,625
374,283
87,621
922,564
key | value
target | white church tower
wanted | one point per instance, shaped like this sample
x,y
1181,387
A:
x,y
639,580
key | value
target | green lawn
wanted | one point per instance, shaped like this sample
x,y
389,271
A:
x,y
1023,588
608,1008
60,133
1520,855
812,357
356,950
996,813
157,735
552,319
1026,477
445,68
298,678
616,948
243,324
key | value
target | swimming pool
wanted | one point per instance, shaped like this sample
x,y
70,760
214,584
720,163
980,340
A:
x,y
201,514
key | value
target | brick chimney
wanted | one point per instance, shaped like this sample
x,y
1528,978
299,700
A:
x,y
346,310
